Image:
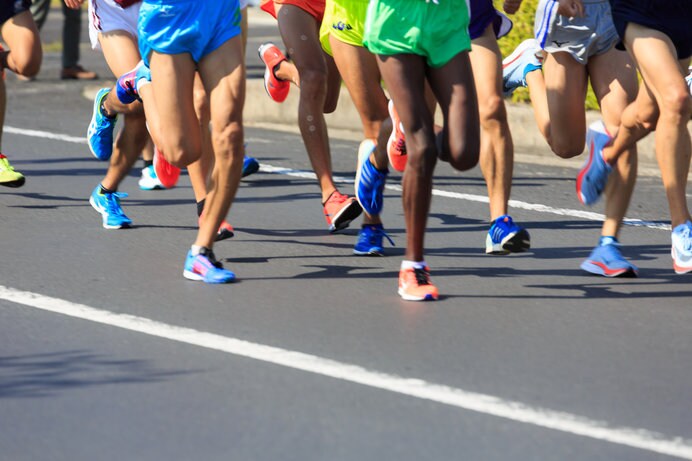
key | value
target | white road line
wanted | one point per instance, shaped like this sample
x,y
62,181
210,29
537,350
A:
x,y
482,403
440,193
482,199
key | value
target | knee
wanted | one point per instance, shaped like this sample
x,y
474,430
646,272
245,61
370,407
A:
x,y
182,153
313,81
28,66
564,148
677,104
492,113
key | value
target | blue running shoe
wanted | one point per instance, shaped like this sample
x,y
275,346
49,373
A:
x,y
128,84
506,237
109,207
370,181
100,132
688,79
149,180
250,166
204,267
606,260
370,240
593,176
519,63
681,248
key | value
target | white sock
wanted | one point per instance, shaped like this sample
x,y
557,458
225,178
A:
x,y
413,264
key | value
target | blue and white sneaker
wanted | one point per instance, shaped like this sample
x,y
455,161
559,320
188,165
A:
x,y
370,181
250,166
607,260
688,79
204,267
128,85
109,207
370,240
149,180
100,131
505,236
681,248
593,176
519,63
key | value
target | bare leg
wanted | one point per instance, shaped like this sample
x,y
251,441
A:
x,y
25,54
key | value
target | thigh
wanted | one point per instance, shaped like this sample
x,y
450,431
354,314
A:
x,y
172,85
22,37
486,61
656,59
614,81
566,84
120,50
358,69
223,75
300,33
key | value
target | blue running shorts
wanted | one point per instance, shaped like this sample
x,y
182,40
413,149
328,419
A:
x,y
197,27
672,17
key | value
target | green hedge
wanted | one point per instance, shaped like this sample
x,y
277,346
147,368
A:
x,y
523,29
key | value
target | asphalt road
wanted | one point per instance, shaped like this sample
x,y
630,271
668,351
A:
x,y
107,353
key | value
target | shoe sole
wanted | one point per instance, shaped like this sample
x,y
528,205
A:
x,y
342,220
15,183
198,278
408,297
254,168
223,235
517,243
368,253
680,270
359,168
392,137
596,268
266,73
97,104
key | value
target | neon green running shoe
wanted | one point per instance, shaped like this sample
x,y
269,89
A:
x,y
9,177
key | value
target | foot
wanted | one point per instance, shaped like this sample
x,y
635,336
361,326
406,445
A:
x,y
607,260
128,85
100,131
149,180
272,56
519,63
681,248
505,237
250,166
8,176
593,176
167,173
108,205
370,240
340,210
415,284
77,73
396,144
370,181
204,267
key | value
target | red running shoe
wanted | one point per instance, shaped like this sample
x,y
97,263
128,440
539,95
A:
x,y
340,210
396,145
225,230
272,56
167,173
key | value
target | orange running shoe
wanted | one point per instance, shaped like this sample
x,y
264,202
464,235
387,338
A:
x,y
415,284
225,230
396,145
340,210
272,56
167,173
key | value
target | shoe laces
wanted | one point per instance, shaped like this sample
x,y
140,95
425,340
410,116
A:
x,y
209,254
113,203
336,198
421,275
400,145
685,238
372,233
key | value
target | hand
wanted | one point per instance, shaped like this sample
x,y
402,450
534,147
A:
x,y
511,6
74,4
570,8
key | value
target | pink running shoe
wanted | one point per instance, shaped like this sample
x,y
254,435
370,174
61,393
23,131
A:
x,y
272,56
167,173
396,145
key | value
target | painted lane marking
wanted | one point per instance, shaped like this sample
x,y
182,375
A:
x,y
481,403
265,168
